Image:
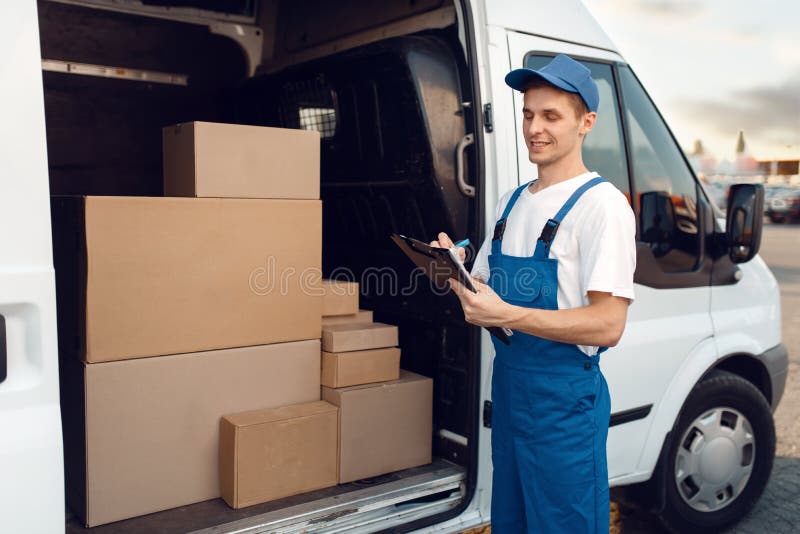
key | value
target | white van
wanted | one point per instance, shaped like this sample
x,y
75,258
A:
x,y
419,134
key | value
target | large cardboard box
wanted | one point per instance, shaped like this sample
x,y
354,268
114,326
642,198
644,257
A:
x,y
205,159
279,452
363,316
383,427
339,298
139,276
342,369
143,435
358,336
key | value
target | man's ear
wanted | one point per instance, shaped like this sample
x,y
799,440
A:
x,y
587,122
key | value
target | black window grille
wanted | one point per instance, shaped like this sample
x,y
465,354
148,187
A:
x,y
309,105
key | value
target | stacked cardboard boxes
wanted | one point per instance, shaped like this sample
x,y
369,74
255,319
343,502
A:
x,y
385,413
172,314
195,358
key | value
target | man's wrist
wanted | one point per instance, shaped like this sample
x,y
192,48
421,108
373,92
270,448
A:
x,y
516,316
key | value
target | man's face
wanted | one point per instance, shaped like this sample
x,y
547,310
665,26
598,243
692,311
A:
x,y
551,126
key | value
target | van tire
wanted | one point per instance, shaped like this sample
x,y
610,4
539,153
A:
x,y
720,390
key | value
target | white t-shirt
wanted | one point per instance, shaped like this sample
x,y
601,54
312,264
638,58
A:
x,y
595,244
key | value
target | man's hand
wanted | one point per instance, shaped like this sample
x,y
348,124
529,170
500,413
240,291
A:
x,y
484,308
444,241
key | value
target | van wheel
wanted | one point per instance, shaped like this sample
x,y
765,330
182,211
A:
x,y
721,455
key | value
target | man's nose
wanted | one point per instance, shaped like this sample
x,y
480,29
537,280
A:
x,y
536,125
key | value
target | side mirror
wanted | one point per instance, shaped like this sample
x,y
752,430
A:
x,y
744,221
657,221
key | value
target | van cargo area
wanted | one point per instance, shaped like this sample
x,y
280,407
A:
x,y
386,85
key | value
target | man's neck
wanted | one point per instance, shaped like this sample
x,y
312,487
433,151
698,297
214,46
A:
x,y
560,171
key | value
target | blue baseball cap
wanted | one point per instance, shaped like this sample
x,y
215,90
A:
x,y
563,72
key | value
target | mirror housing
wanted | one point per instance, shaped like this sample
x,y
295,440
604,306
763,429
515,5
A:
x,y
744,221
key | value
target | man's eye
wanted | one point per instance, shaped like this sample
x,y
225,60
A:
x,y
551,117
527,116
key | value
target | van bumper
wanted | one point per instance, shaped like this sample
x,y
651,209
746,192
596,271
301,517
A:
x,y
776,360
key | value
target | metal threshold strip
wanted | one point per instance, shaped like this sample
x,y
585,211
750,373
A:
x,y
363,510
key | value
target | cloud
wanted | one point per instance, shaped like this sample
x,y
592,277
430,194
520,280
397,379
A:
x,y
771,112
655,8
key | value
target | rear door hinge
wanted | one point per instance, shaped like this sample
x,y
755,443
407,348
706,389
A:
x,y
488,121
487,414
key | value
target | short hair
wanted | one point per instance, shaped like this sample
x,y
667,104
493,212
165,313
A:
x,y
578,104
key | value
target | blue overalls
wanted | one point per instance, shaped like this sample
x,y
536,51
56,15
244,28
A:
x,y
550,406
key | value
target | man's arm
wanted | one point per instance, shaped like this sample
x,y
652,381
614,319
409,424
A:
x,y
600,323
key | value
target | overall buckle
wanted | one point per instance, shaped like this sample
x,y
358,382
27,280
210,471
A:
x,y
499,230
549,231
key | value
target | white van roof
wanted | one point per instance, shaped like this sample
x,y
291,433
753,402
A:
x,y
565,20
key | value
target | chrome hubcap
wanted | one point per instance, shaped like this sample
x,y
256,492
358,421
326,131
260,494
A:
x,y
715,459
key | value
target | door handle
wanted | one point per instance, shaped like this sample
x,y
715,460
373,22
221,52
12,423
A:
x,y
3,350
463,186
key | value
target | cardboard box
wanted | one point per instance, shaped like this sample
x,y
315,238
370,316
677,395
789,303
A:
x,y
339,298
205,159
383,427
139,276
279,452
143,435
363,316
347,337
342,369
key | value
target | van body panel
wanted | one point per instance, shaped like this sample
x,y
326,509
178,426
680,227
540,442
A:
x,y
31,460
694,364
564,21
747,315
500,174
656,346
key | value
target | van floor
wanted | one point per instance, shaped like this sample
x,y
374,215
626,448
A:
x,y
402,496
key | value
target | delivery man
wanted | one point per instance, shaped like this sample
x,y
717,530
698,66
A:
x,y
559,264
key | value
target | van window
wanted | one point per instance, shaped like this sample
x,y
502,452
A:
x,y
309,105
665,186
603,148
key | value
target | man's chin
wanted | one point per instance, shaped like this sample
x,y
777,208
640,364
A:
x,y
539,159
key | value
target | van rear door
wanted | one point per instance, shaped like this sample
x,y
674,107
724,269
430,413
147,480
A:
x,y
31,464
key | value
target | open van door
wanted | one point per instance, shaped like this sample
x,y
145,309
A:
x,y
669,324
31,462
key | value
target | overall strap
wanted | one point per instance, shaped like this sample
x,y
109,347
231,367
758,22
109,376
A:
x,y
500,225
551,226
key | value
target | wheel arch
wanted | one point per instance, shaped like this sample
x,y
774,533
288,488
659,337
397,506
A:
x,y
746,366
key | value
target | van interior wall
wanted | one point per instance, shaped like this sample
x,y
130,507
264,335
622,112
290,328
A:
x,y
104,134
390,115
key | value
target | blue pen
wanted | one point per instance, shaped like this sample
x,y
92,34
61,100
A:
x,y
463,243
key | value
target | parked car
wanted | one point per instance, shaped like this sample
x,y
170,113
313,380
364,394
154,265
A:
x,y
784,207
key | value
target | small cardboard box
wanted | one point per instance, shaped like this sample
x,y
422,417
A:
x,y
342,369
383,427
206,159
145,276
363,316
143,435
347,337
269,454
339,298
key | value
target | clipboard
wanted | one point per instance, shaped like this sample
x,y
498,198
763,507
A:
x,y
440,264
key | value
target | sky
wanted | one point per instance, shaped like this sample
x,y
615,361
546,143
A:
x,y
714,67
